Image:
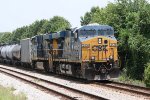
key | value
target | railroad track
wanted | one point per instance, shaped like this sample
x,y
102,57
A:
x,y
127,87
53,88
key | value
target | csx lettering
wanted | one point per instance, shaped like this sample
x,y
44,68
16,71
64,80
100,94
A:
x,y
99,48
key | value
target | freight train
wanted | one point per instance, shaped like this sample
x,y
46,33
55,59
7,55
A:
x,y
88,52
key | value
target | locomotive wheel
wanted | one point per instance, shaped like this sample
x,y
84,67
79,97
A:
x,y
33,65
46,67
55,67
74,70
87,72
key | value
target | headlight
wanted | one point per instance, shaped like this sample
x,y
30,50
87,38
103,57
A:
x,y
99,40
113,44
107,58
93,58
111,57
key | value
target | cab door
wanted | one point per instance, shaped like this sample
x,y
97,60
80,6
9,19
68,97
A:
x,y
50,54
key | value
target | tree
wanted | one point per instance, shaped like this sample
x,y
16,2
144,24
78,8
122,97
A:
x,y
138,56
147,75
43,26
36,27
55,24
58,24
17,34
5,37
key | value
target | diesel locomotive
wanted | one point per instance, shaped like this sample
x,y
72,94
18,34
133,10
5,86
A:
x,y
88,52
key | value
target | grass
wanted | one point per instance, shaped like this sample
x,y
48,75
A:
x,y
124,79
7,94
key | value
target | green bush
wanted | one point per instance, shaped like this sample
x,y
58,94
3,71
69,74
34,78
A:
x,y
123,78
147,75
7,94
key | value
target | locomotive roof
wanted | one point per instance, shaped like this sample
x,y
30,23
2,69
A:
x,y
95,27
58,34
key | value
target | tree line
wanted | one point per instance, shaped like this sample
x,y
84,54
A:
x,y
54,24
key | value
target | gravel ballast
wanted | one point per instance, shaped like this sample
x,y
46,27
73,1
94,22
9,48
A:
x,y
100,90
31,92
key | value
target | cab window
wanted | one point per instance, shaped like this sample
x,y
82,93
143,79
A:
x,y
106,32
85,33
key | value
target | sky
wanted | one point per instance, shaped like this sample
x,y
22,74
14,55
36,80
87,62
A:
x,y
17,13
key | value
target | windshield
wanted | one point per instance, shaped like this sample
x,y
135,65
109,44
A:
x,y
85,33
105,32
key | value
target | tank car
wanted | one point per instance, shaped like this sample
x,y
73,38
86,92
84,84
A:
x,y
3,54
10,54
16,52
9,51
0,51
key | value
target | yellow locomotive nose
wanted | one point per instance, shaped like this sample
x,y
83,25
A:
x,y
99,49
